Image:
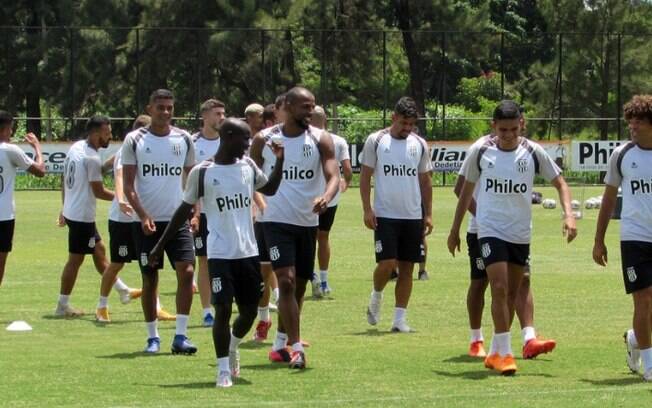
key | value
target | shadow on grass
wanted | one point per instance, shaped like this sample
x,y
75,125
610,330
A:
x,y
373,332
133,354
200,385
462,358
610,382
85,317
253,345
273,366
483,374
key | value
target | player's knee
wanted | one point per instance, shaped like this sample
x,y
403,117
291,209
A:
x,y
499,290
286,284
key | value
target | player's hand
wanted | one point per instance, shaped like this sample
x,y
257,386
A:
x,y
569,229
126,208
148,226
194,224
31,139
600,253
370,219
453,242
155,256
277,149
61,220
319,205
343,185
427,225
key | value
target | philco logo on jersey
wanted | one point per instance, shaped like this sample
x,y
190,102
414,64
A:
x,y
295,173
161,170
521,165
176,149
234,202
641,186
398,171
307,150
505,187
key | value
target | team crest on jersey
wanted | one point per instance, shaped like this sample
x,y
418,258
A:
x,y
631,274
123,251
143,259
379,246
91,242
486,250
274,254
479,263
412,151
176,149
307,150
216,285
521,165
199,243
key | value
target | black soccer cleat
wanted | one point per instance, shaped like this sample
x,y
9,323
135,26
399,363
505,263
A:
x,y
182,345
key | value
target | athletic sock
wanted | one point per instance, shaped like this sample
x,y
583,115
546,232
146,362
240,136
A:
x,y
297,346
646,357
631,338
64,299
493,348
528,334
503,343
182,324
120,286
208,311
280,342
476,335
152,329
399,314
323,275
263,313
104,302
223,364
275,295
235,342
376,296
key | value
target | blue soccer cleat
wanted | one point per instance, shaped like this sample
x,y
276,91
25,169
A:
x,y
208,320
153,345
182,345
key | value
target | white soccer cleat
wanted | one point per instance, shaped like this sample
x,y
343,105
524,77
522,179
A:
x,y
67,311
128,295
316,287
633,354
648,375
234,363
373,313
272,307
223,380
401,327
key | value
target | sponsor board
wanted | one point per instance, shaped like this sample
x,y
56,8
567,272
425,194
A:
x,y
54,154
592,155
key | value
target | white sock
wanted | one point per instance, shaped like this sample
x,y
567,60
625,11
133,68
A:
x,y
631,338
376,297
182,324
503,343
64,299
263,314
297,346
120,286
280,342
323,275
152,329
208,311
275,295
528,334
315,277
223,364
399,314
476,335
646,357
235,342
104,302
493,348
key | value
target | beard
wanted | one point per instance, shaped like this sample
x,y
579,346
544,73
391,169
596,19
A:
x,y
104,144
302,123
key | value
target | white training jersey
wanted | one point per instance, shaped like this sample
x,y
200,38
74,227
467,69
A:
x,y
629,168
472,227
82,166
397,164
12,158
205,149
341,154
160,161
303,178
227,191
505,179
114,211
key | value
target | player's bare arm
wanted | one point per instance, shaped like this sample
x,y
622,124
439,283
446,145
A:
x,y
426,200
256,149
180,216
128,178
347,175
458,189
462,204
38,168
331,172
365,194
274,180
100,192
569,229
607,206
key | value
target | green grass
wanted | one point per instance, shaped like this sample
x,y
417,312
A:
x,y
79,363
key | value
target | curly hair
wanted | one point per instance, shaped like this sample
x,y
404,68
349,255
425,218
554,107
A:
x,y
640,107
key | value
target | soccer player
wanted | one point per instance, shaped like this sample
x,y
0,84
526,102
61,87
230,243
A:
x,y
81,185
291,217
254,117
629,168
505,167
154,161
227,186
320,284
206,142
401,215
13,158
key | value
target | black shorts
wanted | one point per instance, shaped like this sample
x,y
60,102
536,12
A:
x,y
291,245
235,278
497,250
263,251
398,239
327,218
178,249
6,235
82,237
200,236
475,258
121,241
637,265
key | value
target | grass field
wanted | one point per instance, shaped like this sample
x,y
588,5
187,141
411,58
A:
x,y
80,363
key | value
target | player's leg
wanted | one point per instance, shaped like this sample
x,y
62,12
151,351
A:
x,y
202,276
423,273
409,241
475,296
386,248
270,289
222,293
320,280
181,253
532,346
6,240
81,241
642,328
3,263
143,244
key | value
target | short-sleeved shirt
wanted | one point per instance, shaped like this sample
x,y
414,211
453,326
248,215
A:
x,y
341,154
114,211
227,191
205,149
11,158
160,161
397,164
505,178
472,227
629,168
81,167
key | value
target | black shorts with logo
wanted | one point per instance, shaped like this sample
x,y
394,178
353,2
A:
x,y
261,243
327,218
291,245
636,261
178,249
475,257
6,235
398,239
82,237
200,237
238,279
495,250
121,241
